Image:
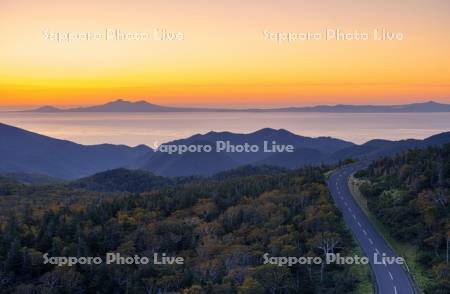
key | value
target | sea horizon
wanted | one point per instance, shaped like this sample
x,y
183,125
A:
x,y
153,129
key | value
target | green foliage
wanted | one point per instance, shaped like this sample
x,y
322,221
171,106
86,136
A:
x,y
122,180
221,226
410,194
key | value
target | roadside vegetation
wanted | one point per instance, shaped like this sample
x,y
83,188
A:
x,y
407,198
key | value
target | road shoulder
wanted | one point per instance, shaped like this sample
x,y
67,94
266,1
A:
x,y
409,252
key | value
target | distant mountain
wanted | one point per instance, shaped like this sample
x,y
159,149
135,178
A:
x,y
188,164
379,148
121,105
26,152
32,158
430,106
301,157
47,109
307,151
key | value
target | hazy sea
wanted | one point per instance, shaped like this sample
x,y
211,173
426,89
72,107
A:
x,y
156,128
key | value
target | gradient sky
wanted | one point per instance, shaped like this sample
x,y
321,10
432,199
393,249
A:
x,y
224,58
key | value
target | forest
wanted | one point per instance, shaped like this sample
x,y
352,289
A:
x,y
410,194
221,226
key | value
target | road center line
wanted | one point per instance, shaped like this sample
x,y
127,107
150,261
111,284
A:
x,y
342,194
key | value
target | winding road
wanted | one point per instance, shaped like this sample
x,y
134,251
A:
x,y
390,278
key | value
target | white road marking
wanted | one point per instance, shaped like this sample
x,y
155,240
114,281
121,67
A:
x,y
406,266
359,224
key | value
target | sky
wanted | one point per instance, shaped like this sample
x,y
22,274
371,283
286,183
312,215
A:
x,y
223,55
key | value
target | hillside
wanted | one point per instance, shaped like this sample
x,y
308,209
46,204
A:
x,y
307,151
122,180
410,194
32,157
26,152
222,229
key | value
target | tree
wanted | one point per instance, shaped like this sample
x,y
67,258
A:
x,y
250,286
325,241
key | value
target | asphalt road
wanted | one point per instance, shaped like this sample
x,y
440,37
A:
x,y
390,278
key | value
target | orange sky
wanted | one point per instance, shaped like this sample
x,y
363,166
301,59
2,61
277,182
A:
x,y
224,58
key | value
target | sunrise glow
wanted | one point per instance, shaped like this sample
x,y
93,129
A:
x,y
223,57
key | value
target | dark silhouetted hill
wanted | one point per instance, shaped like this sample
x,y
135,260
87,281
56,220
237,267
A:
x,y
308,151
26,152
121,105
122,180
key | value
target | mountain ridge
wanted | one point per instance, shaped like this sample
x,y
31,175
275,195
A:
x,y
23,152
121,105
